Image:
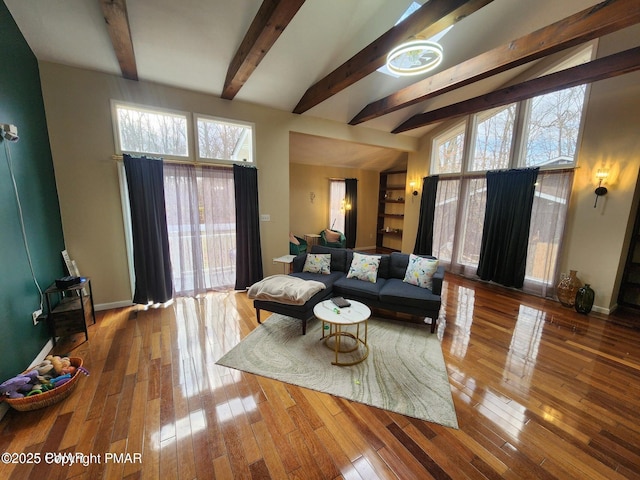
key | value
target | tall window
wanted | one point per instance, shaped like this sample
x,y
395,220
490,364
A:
x,y
199,200
462,155
337,193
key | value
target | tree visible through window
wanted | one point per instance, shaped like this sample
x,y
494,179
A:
x,y
549,137
224,140
553,124
147,131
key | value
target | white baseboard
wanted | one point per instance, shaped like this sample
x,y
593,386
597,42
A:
x,y
606,311
108,306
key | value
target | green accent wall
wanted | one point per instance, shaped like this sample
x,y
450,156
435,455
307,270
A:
x,y
21,104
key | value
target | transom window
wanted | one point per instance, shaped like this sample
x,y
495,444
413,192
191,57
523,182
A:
x,y
149,131
224,140
153,131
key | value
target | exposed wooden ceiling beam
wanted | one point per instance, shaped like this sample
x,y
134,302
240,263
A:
x,y
115,16
270,21
601,19
600,69
431,18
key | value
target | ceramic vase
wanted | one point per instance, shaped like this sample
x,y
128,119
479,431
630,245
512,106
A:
x,y
568,288
584,299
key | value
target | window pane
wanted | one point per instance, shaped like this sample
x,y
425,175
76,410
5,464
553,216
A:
x,y
494,132
154,132
448,150
473,220
336,207
552,127
223,140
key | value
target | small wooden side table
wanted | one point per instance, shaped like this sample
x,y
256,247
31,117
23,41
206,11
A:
x,y
73,310
312,239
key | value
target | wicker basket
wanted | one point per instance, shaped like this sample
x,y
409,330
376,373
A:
x,y
51,397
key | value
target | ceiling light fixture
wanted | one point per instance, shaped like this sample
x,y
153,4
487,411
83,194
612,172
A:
x,y
414,57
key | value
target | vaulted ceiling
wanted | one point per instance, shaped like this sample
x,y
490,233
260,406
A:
x,y
321,57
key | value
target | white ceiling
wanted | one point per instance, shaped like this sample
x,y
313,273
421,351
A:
x,y
190,43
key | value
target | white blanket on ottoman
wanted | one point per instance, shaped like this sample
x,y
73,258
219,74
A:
x,y
285,289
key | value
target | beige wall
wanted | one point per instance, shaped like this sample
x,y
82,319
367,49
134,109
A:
x,y
313,217
595,240
77,104
78,110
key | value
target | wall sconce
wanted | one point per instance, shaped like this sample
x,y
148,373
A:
x,y
414,191
345,206
600,190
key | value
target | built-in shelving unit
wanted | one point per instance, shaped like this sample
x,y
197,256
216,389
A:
x,y
629,295
391,210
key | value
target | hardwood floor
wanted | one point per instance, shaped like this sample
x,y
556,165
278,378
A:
x,y
540,392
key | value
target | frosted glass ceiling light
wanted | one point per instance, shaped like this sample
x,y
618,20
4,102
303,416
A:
x,y
414,57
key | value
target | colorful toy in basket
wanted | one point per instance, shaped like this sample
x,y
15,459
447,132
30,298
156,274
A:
x,y
52,372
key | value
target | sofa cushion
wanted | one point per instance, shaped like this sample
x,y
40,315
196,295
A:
x,y
364,267
420,271
361,289
317,263
328,280
383,268
395,291
338,257
398,264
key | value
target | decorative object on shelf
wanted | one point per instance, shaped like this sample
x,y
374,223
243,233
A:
x,y
568,288
600,190
584,299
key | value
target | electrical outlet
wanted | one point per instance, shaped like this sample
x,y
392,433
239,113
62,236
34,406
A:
x,y
35,316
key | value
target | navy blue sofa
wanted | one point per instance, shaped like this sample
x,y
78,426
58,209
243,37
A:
x,y
388,293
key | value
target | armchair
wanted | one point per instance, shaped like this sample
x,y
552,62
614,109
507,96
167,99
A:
x,y
297,245
334,239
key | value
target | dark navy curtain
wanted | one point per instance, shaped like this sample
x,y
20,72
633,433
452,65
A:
x,y
424,236
152,264
351,215
505,235
248,249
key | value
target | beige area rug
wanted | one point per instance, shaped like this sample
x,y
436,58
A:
x,y
404,372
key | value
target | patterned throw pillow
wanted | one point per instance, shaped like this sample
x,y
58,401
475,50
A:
x,y
364,267
420,271
317,263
